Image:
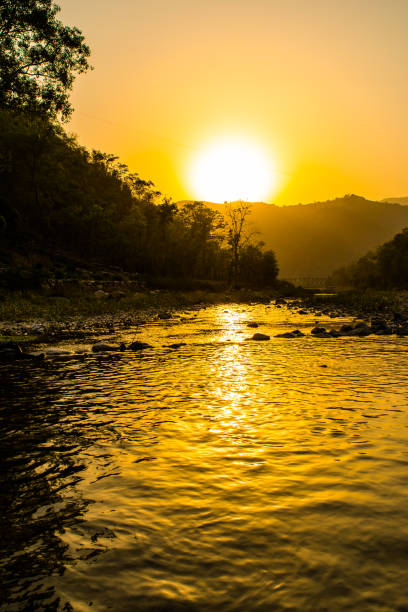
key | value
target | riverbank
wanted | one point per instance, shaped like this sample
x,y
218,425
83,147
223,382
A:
x,y
30,318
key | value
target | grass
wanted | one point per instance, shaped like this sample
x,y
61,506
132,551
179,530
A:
x,y
19,339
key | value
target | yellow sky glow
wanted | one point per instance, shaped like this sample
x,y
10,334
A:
x,y
322,87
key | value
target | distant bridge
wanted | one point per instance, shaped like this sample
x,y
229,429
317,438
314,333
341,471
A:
x,y
310,282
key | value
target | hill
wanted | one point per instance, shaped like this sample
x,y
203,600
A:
x,y
403,201
315,239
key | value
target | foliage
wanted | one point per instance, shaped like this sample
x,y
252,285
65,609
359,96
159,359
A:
x,y
39,58
60,197
249,264
368,301
385,268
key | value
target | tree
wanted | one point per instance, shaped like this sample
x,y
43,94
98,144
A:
x,y
238,235
258,268
39,58
203,235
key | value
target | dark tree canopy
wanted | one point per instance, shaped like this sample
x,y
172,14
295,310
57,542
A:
x,y
39,58
384,268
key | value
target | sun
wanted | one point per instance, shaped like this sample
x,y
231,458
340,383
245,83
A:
x,y
232,169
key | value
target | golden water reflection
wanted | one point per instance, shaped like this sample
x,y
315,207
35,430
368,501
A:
x,y
225,475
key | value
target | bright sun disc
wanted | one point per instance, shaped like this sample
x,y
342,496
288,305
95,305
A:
x,y
231,170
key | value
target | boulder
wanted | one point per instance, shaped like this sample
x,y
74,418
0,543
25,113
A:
x,y
259,336
253,324
177,345
286,335
164,315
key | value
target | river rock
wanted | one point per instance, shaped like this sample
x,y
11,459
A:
x,y
139,346
378,323
318,330
259,336
57,351
164,315
176,345
10,351
286,335
334,333
37,328
344,329
252,324
101,347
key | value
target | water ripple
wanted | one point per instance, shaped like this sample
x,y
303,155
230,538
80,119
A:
x,y
223,475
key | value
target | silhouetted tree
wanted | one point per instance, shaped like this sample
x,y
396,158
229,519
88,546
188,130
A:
x,y
39,58
385,268
238,234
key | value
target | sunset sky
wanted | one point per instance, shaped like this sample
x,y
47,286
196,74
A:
x,y
318,88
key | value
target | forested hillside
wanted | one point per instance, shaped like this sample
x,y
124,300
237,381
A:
x,y
57,195
315,239
384,268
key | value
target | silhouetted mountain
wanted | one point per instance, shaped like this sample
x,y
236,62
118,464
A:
x,y
403,201
316,239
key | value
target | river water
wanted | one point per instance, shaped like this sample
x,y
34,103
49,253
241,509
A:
x,y
223,475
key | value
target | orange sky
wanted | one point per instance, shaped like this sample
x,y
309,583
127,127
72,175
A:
x,y
321,85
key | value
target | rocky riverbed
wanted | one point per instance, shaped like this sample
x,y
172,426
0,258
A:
x,y
42,338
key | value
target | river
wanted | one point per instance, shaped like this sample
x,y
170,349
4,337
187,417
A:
x,y
224,475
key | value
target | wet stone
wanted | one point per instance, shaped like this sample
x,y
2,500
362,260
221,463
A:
x,y
318,330
259,336
100,347
139,346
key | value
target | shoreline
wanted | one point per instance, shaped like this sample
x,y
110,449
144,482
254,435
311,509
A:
x,y
30,319
36,318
